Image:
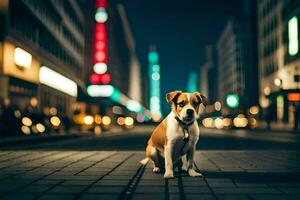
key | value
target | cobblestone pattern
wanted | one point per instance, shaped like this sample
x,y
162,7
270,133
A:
x,y
118,175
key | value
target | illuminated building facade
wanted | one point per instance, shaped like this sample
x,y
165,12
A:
x,y
41,52
278,54
114,76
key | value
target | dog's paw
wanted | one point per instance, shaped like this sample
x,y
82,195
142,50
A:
x,y
156,170
193,173
183,169
168,175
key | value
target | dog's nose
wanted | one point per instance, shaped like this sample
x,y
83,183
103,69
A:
x,y
189,112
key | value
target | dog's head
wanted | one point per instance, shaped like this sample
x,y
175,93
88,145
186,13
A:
x,y
186,105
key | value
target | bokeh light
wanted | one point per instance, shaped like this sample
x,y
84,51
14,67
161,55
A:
x,y
55,121
26,121
40,127
88,120
106,120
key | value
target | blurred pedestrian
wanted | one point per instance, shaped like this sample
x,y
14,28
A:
x,y
270,115
8,119
66,123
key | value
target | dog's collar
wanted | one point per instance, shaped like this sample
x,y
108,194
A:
x,y
185,127
182,123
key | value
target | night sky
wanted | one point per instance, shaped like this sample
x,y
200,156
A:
x,y
180,30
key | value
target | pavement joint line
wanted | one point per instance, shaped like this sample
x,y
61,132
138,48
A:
x,y
129,189
167,195
36,158
14,158
96,181
209,187
112,154
180,186
42,177
38,178
60,182
50,188
210,160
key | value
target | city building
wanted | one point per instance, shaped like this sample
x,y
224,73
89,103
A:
x,y
41,53
113,71
209,74
237,68
278,55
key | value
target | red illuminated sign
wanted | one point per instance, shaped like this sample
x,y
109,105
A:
x,y
293,97
100,45
104,79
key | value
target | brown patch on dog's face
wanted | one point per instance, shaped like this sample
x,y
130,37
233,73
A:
x,y
180,103
195,102
201,98
184,103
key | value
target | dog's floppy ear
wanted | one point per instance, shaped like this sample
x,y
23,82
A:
x,y
171,95
202,98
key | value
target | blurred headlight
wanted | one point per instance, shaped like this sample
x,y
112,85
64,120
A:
x,y
97,119
88,120
106,120
121,121
25,130
26,121
129,121
40,128
240,121
219,123
55,121
252,122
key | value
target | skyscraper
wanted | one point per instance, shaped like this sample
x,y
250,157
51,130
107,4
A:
x,y
209,74
237,69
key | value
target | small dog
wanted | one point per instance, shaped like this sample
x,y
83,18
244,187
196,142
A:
x,y
177,135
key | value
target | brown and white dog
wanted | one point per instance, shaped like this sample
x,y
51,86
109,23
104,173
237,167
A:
x,y
177,135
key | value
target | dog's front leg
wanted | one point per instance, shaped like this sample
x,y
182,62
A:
x,y
190,162
168,161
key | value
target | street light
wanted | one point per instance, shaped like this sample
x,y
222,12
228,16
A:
x,y
232,100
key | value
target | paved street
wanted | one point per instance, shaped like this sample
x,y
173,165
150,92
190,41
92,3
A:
x,y
107,167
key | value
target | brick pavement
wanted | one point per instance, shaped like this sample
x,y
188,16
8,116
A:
x,y
118,175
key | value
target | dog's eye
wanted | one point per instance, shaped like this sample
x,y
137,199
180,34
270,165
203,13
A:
x,y
196,103
181,104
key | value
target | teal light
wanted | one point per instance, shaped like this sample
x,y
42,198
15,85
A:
x,y
156,68
101,15
232,100
192,82
293,46
134,106
116,95
154,78
100,90
153,57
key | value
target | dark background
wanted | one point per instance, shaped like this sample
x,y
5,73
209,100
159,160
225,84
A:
x,y
180,30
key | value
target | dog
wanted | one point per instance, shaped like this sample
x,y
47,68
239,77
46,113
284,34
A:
x,y
177,135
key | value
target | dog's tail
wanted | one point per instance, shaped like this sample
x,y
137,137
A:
x,y
145,161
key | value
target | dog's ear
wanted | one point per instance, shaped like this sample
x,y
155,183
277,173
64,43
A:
x,y
172,95
202,98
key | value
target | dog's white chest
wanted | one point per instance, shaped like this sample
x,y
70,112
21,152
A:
x,y
176,135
